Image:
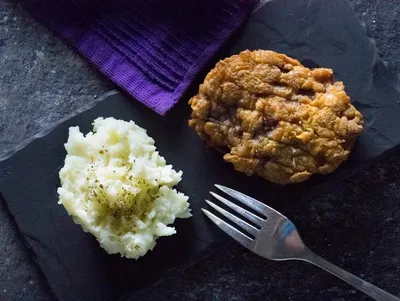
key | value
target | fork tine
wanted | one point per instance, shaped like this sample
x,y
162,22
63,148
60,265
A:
x,y
247,214
249,201
241,238
241,223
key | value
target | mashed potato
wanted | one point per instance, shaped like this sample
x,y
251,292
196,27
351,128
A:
x,y
117,187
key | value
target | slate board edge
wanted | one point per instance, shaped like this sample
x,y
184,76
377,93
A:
x,y
50,128
28,246
142,293
395,79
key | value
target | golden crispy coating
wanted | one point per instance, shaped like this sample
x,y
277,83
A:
x,y
272,116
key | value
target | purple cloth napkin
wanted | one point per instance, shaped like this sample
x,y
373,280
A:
x,y
152,49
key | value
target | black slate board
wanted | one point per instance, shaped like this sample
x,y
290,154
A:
x,y
324,33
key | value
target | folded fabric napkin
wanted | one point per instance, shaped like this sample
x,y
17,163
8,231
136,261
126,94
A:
x,y
152,49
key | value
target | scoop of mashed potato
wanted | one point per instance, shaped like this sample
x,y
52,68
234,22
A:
x,y
117,187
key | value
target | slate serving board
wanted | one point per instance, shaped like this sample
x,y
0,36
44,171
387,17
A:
x,y
324,33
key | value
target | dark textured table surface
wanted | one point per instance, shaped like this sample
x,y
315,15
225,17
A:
x,y
357,226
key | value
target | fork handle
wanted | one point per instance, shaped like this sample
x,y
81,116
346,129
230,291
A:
x,y
364,286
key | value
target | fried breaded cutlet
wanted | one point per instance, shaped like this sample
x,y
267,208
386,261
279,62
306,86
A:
x,y
274,117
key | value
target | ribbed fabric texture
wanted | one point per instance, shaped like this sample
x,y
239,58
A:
x,y
152,49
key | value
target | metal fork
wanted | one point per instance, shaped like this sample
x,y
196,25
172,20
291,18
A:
x,y
276,238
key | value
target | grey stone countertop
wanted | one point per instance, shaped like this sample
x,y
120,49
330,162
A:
x,y
356,227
